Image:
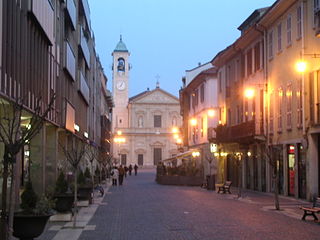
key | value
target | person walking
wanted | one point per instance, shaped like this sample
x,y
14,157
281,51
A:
x,y
135,169
115,176
130,169
125,171
121,174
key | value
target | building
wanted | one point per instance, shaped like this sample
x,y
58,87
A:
x,y
142,125
269,112
199,110
46,49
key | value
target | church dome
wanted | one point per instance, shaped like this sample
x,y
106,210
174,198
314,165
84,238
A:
x,y
121,47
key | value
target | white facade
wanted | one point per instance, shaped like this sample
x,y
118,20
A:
x,y
145,120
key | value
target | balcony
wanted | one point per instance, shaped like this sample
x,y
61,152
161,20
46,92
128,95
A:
x,y
72,13
246,132
84,88
86,10
70,62
43,13
84,47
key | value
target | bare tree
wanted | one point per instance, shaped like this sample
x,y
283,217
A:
x,y
75,152
92,155
273,162
14,136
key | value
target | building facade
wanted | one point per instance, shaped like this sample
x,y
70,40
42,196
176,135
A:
x,y
199,110
145,121
269,111
47,48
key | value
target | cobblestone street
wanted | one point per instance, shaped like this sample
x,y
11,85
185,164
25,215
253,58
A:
x,y
141,209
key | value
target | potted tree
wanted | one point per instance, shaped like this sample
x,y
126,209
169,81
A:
x,y
85,185
14,136
63,198
30,222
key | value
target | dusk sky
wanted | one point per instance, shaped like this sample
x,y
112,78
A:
x,y
166,37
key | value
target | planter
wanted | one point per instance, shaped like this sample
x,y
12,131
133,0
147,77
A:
x,y
85,193
64,202
180,180
28,227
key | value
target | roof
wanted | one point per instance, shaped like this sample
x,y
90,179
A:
x,y
146,93
138,95
253,18
121,47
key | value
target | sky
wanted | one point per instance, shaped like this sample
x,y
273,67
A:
x,y
166,37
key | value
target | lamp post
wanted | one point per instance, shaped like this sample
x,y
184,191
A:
x,y
119,139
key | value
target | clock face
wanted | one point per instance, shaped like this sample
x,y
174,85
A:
x,y
121,85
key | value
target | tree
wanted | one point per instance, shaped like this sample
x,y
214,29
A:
x,y
75,153
14,136
271,153
92,155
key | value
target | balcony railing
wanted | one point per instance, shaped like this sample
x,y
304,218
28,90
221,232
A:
x,y
72,12
43,12
84,89
84,47
70,62
241,133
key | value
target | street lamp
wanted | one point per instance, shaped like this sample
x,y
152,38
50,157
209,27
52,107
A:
x,y
193,122
211,113
249,93
119,139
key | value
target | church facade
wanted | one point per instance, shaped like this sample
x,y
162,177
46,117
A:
x,y
145,121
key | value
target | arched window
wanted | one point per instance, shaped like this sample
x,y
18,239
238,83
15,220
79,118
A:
x,y
121,65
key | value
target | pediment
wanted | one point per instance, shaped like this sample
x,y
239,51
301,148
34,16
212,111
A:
x,y
157,96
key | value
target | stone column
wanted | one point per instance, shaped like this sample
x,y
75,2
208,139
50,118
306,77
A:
x,y
312,166
51,157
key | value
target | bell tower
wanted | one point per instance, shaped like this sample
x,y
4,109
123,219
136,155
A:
x,y
120,81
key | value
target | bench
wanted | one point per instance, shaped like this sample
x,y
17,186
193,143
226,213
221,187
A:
x,y
311,211
225,188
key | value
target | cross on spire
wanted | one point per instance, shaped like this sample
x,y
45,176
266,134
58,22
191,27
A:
x,y
157,83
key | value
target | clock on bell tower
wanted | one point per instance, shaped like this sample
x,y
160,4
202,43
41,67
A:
x,y
120,82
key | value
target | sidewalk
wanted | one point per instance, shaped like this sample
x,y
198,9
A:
x,y
65,230
289,206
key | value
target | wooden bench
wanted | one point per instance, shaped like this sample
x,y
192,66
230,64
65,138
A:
x,y
225,188
311,211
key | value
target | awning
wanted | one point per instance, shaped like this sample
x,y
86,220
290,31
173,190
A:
x,y
181,155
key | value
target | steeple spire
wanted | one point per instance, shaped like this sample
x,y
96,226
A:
x,y
157,83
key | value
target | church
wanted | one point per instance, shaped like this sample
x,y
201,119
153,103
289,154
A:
x,y
141,125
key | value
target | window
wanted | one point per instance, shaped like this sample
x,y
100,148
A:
x,y
299,22
289,30
279,37
280,99
202,93
121,65
270,44
220,82
271,113
246,110
249,62
140,122
157,121
196,97
229,117
289,106
257,57
299,103
202,126
316,15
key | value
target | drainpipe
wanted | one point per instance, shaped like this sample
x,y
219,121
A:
x,y
303,78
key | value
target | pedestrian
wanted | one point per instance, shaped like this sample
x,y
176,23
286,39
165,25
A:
x,y
125,171
135,169
121,175
115,176
130,169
